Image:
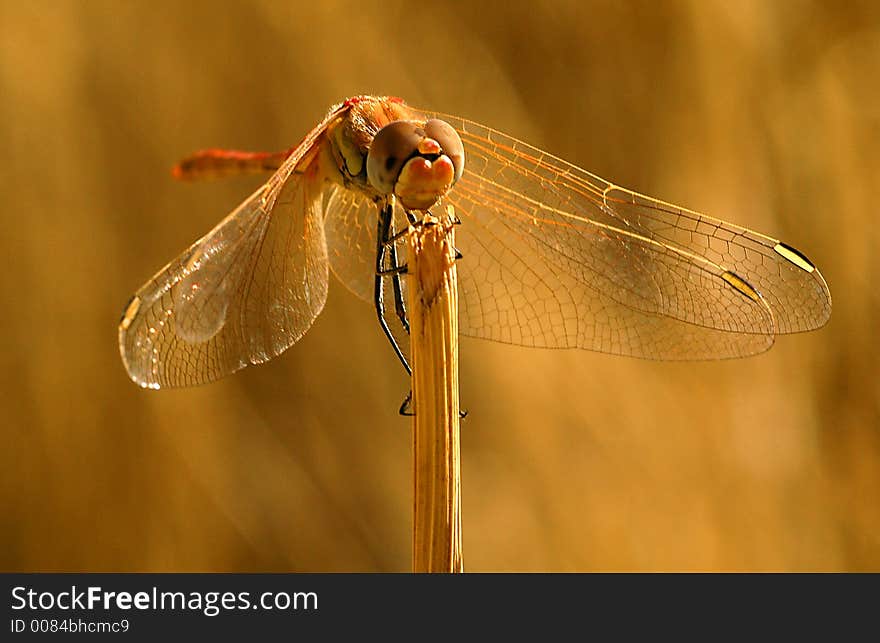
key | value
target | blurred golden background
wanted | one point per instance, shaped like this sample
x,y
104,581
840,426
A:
x,y
765,114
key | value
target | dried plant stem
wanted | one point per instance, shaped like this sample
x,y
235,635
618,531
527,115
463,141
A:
x,y
433,312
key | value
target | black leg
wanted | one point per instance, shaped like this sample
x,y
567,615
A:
x,y
395,237
385,231
385,247
399,303
394,272
406,408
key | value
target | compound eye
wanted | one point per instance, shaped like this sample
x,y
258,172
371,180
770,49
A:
x,y
391,148
449,140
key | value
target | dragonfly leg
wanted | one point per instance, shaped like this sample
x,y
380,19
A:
x,y
384,232
394,238
406,409
386,248
396,271
397,289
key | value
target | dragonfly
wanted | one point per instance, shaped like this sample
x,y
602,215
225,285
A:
x,y
553,256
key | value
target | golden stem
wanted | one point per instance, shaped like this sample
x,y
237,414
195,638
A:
x,y
433,313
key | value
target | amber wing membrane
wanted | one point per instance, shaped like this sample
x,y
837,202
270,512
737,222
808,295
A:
x,y
557,257
240,295
350,229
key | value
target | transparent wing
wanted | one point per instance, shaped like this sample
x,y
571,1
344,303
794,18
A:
x,y
240,295
557,257
351,227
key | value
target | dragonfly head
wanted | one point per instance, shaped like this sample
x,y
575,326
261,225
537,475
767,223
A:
x,y
417,162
